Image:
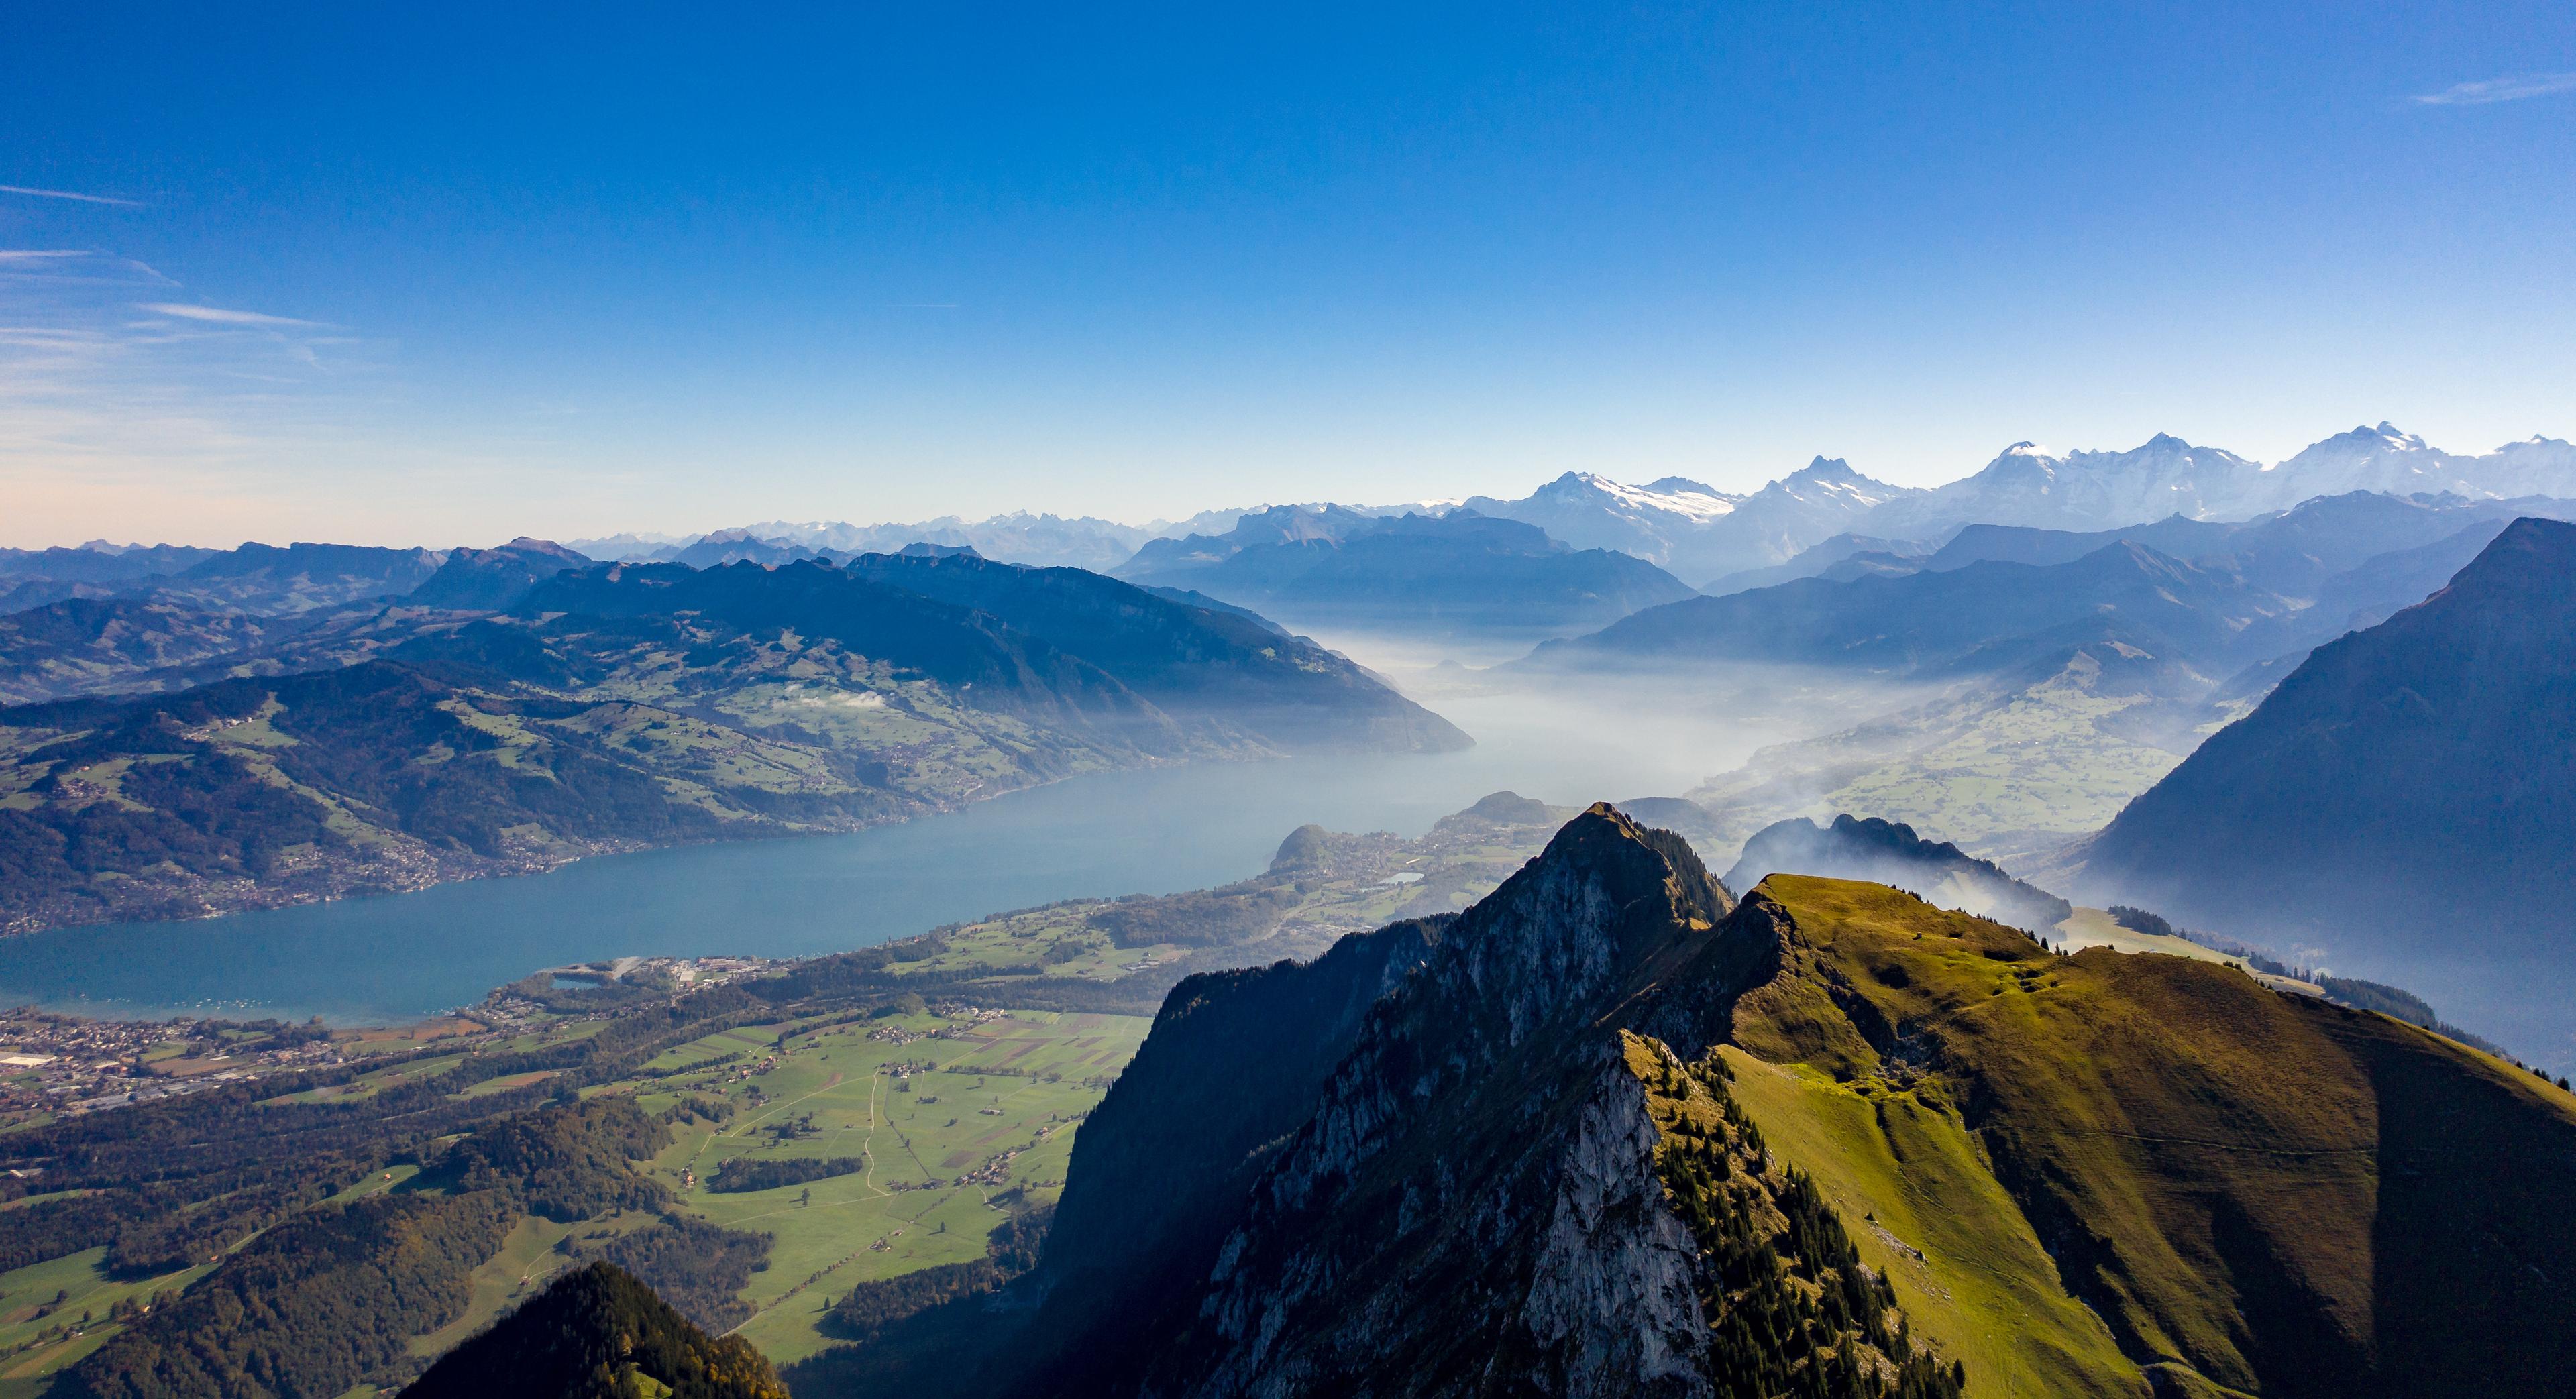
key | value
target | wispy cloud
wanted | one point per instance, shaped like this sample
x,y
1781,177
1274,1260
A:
x,y
2499,90
175,417
217,314
68,194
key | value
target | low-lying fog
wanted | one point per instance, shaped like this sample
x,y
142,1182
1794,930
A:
x,y
1150,831
1572,739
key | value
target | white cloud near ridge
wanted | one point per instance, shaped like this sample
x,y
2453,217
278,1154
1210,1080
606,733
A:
x,y
2513,89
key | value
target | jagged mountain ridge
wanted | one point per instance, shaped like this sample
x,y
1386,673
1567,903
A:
x,y
2385,459
1697,533
2085,1175
2027,485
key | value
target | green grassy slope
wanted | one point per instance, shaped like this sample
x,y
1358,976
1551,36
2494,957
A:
x,y
2265,1191
1924,1209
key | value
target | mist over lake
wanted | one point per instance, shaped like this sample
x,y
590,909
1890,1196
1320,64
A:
x,y
402,956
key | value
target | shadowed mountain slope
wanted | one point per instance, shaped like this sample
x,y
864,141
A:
x,y
1457,573
1616,1134
1901,623
2405,795
487,580
64,648
597,1333
1193,662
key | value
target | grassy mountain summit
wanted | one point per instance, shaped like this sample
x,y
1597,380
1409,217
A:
x,y
1613,1132
629,705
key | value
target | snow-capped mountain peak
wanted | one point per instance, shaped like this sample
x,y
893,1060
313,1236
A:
x,y
1583,486
1693,529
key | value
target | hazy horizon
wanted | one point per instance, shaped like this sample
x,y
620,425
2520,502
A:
x,y
323,275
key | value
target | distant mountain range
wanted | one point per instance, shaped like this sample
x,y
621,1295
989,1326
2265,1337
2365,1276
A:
x,y
2212,596
2167,476
1693,530
1610,1131
2038,679
2401,801
487,580
1043,541
1984,616
1453,574
258,578
1712,539
627,705
1700,534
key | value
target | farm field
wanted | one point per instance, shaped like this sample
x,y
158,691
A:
x,y
948,1114
928,1114
36,1337
958,1117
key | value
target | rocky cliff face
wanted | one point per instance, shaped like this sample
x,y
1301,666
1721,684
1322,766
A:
x,y
1231,1070
1479,1195
1492,1051
1611,1133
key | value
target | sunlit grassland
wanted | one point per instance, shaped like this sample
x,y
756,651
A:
x,y
1014,1084
1923,1209
85,1287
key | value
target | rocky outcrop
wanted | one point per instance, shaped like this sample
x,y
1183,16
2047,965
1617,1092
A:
x,y
1611,1133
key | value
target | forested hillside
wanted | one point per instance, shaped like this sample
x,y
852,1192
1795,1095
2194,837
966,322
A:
x,y
629,706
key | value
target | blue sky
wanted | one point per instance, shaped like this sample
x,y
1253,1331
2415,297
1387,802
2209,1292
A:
x,y
342,272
